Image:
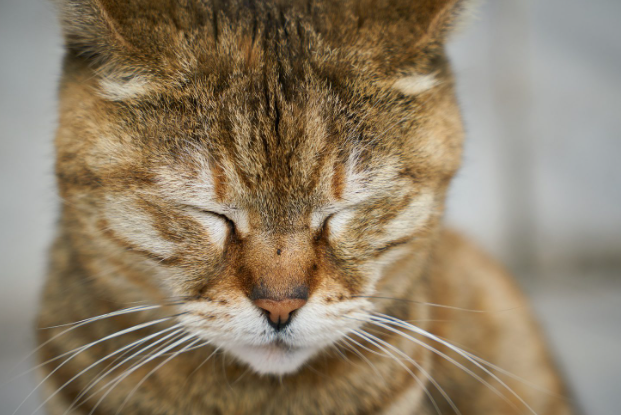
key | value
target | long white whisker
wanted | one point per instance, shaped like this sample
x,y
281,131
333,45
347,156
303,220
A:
x,y
88,346
74,325
443,355
391,320
166,340
98,362
60,356
130,371
423,371
436,305
185,349
134,309
362,356
448,358
134,344
370,338
188,350
512,375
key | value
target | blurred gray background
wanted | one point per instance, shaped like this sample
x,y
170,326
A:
x,y
540,87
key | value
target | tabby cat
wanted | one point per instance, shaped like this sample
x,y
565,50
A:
x,y
252,220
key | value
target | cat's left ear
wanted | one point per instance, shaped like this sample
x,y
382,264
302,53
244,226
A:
x,y
418,21
398,41
392,27
441,18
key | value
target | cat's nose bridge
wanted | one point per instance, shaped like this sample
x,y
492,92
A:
x,y
280,257
281,245
279,268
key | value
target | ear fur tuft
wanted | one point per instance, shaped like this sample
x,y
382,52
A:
x,y
125,41
89,30
430,20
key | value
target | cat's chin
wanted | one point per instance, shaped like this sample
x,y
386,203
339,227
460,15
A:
x,y
272,359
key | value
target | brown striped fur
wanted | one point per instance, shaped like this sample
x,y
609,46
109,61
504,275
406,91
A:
x,y
216,152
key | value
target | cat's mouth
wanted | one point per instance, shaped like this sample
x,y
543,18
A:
x,y
245,334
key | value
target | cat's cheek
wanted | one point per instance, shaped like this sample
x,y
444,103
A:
x,y
127,222
389,258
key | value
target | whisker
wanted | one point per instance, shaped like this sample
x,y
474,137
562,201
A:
x,y
109,370
98,362
205,361
362,356
423,371
166,340
391,320
104,316
445,356
335,347
512,375
189,377
75,326
185,349
88,346
60,356
189,350
123,376
248,370
450,307
371,339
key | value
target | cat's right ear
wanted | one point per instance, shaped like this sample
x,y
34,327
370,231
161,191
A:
x,y
91,32
110,35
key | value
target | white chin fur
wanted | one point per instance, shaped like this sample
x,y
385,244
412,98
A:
x,y
272,360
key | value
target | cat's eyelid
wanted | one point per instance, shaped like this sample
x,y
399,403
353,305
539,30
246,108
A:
x,y
319,217
322,214
222,210
231,213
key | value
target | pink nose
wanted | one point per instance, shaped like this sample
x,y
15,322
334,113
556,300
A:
x,y
279,311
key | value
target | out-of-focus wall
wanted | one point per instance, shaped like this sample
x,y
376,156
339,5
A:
x,y
540,86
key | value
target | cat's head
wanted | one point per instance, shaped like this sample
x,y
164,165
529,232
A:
x,y
270,163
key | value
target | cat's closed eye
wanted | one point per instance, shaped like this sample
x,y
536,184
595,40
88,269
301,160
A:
x,y
219,225
222,217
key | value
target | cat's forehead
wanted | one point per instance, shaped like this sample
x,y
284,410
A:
x,y
268,153
274,155
257,144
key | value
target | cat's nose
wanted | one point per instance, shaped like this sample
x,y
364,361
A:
x,y
279,312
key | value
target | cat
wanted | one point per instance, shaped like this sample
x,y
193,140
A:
x,y
253,195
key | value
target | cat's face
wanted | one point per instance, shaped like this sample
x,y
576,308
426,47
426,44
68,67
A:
x,y
271,192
